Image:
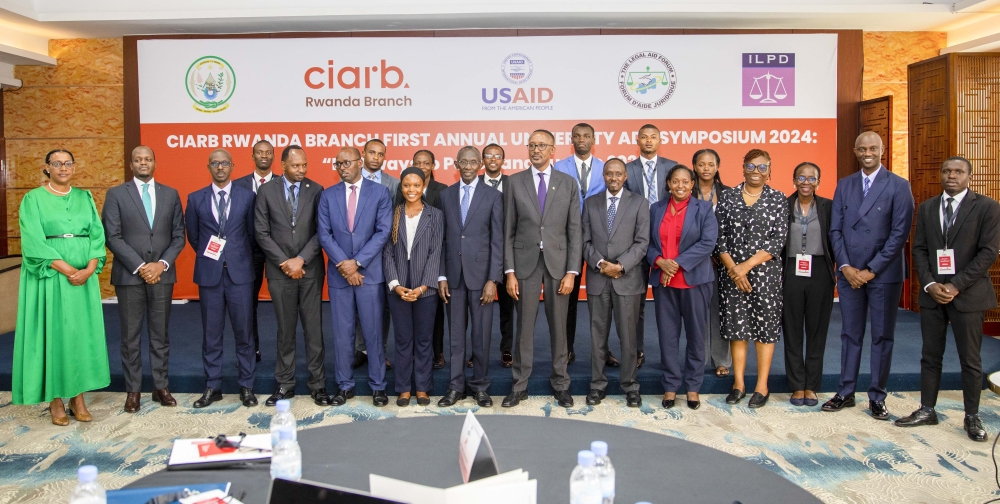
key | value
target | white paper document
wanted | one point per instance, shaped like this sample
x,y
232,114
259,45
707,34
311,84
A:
x,y
512,487
199,451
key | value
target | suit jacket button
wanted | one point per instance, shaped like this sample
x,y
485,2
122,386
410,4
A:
x,y
463,237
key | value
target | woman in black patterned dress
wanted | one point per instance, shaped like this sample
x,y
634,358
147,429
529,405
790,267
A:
x,y
753,225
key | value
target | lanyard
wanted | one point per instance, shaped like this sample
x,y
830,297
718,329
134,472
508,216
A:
x,y
711,195
803,220
222,225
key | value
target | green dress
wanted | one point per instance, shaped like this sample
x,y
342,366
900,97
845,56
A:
x,y
59,344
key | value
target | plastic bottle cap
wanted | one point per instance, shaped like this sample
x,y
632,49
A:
x,y
585,458
600,448
86,473
283,405
286,433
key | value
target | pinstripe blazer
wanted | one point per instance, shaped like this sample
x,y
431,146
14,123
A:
x,y
425,256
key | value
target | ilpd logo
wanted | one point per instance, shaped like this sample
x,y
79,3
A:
x,y
517,68
210,82
647,80
768,79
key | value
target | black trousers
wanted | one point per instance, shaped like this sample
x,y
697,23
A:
x,y
295,300
153,303
506,317
968,330
808,302
439,329
574,301
258,280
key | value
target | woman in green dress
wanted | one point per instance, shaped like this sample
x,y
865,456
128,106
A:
x,y
59,345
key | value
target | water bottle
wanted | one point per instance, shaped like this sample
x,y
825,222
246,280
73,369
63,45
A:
x,y
88,490
282,417
286,457
584,483
605,470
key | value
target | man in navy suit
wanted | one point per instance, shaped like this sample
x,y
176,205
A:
x,y
355,218
470,271
220,230
588,172
870,222
647,175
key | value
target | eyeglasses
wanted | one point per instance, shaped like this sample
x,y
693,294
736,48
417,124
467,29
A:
x,y
762,168
220,164
59,164
532,147
466,164
345,163
802,178
494,156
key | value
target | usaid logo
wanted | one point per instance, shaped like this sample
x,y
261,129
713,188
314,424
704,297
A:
x,y
768,79
516,68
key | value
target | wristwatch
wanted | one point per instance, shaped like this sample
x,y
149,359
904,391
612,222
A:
x,y
358,263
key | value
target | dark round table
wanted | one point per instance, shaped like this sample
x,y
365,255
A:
x,y
648,466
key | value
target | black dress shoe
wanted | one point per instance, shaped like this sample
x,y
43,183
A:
x,y
281,393
839,402
257,355
611,361
450,398
758,400
210,396
668,403
469,364
974,427
360,359
506,359
379,398
439,362
341,397
514,398
922,416
640,359
563,398
878,410
320,397
735,396
694,404
246,395
633,399
571,358
595,396
483,399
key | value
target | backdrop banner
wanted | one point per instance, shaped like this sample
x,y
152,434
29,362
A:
x,y
730,93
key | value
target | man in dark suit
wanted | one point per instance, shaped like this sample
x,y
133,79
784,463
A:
x,y
424,159
493,159
542,246
285,225
355,219
144,229
647,175
615,242
263,156
373,156
471,265
957,240
220,229
870,223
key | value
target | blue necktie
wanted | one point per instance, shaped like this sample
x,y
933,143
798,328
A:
x,y
465,203
541,192
147,203
293,201
612,209
867,185
222,211
650,175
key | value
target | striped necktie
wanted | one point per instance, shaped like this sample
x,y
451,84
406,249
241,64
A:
x,y
868,184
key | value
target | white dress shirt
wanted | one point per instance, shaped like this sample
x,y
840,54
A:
x,y
645,169
215,199
257,182
152,200
579,168
411,232
871,178
487,179
608,195
347,193
955,204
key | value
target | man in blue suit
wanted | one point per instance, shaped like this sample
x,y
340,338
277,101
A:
x,y
220,229
870,222
588,172
355,218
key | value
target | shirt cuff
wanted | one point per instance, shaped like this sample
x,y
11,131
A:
x,y
166,265
577,273
508,271
137,269
928,285
442,279
393,284
842,266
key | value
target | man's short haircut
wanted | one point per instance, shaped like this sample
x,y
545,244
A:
x,y
504,154
959,158
584,125
374,140
615,160
287,150
545,131
649,126
258,142
150,149
468,148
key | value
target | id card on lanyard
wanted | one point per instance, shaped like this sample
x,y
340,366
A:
x,y
946,256
216,243
803,261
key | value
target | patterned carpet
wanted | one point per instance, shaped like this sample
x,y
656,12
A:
x,y
841,458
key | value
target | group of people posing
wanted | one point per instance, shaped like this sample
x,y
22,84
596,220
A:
x,y
729,266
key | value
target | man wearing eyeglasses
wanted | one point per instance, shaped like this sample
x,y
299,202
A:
x,y
647,175
220,230
870,223
355,219
543,245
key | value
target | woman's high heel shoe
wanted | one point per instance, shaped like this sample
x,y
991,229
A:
x,y
78,409
60,420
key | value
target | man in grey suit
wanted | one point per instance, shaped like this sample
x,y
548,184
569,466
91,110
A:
x,y
647,175
144,226
615,242
285,227
374,157
542,246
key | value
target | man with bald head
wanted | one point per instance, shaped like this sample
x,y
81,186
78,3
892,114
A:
x,y
871,219
144,228
220,230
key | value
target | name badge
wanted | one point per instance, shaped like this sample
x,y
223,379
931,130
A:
x,y
803,265
214,248
946,262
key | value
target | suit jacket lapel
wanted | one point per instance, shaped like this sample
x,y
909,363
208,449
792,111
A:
x,y
362,201
878,185
963,212
689,217
422,224
534,201
550,187
655,226
477,198
340,201
133,191
661,177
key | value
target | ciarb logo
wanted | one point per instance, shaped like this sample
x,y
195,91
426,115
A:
x,y
517,68
647,80
210,83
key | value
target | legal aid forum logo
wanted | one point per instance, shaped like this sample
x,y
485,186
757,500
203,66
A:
x,y
517,68
210,82
647,80
768,79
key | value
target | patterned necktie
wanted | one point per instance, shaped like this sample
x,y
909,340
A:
x,y
541,192
612,209
584,179
867,185
495,183
293,201
222,211
261,183
465,203
147,203
650,189
372,177
352,208
949,214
